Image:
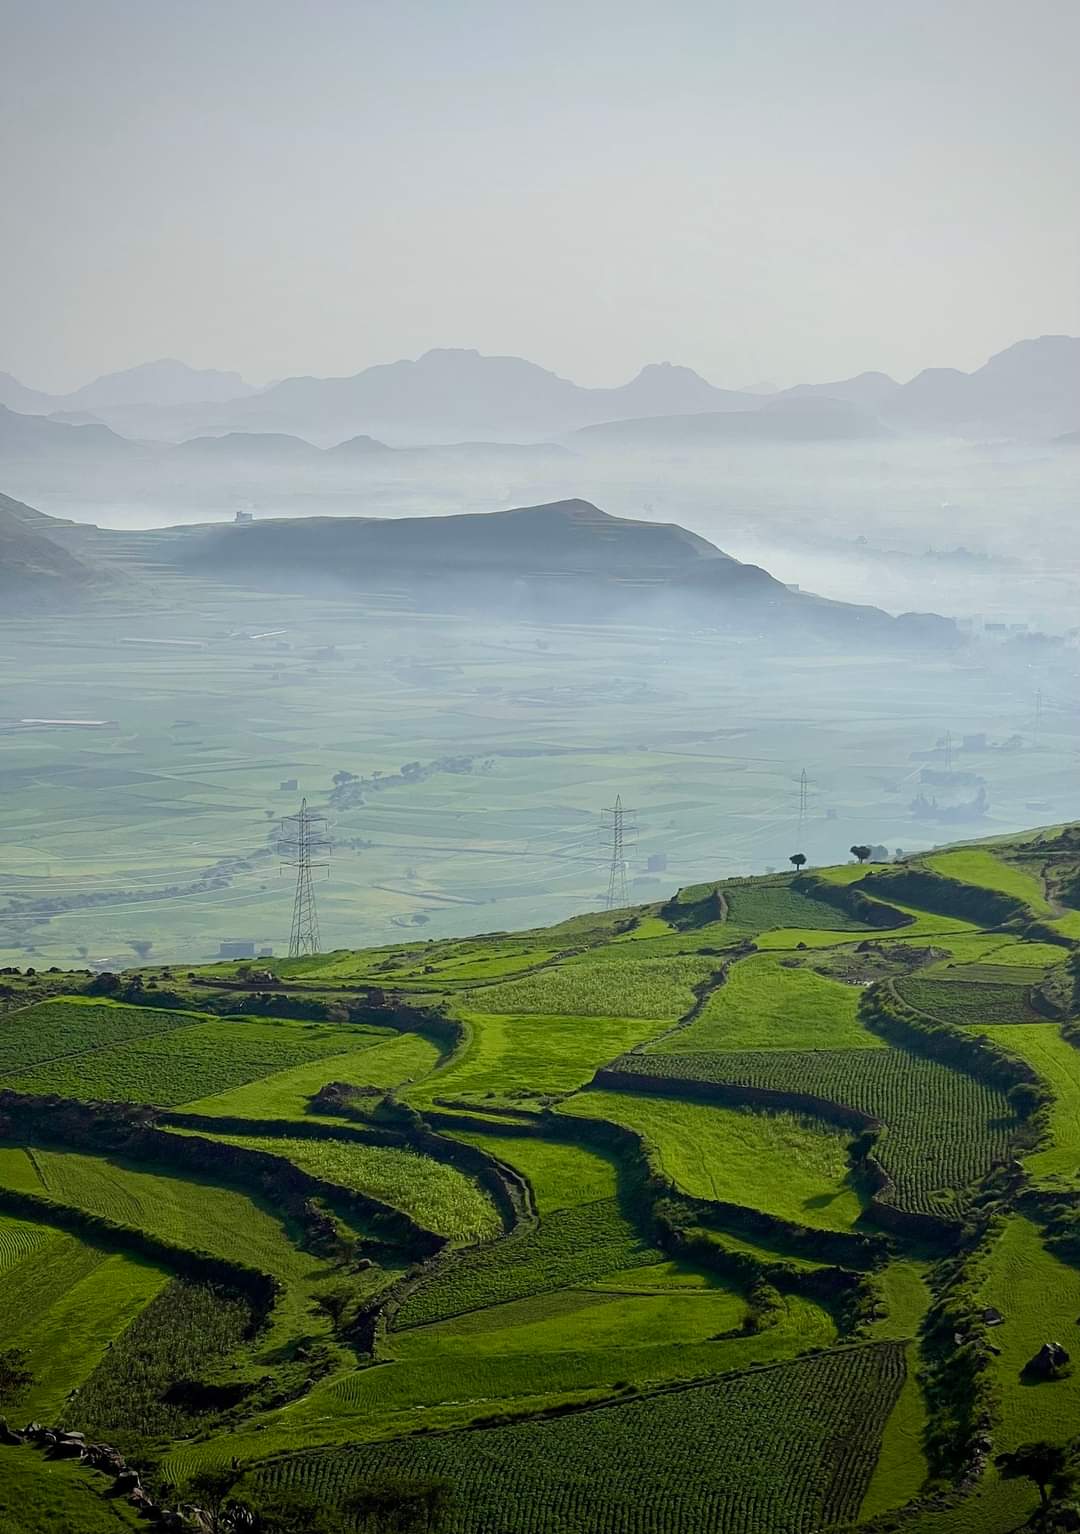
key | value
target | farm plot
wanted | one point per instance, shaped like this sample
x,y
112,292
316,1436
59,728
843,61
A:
x,y
1039,1296
570,1246
438,1196
698,1464
199,1215
793,1167
761,906
1058,1063
943,1129
184,1063
636,988
965,1002
54,1030
390,1062
980,866
65,1302
561,1175
532,1052
580,1340
765,1004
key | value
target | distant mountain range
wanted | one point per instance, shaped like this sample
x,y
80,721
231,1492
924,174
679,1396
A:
x,y
1030,390
563,562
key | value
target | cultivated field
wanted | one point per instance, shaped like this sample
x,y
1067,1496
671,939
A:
x,y
679,1218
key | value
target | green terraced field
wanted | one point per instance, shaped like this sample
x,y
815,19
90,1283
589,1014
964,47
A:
x,y
765,1004
286,1094
695,1465
1058,1064
625,1359
438,1196
183,1063
561,1175
532,1053
980,866
568,1246
636,988
759,906
967,1002
729,1154
944,1130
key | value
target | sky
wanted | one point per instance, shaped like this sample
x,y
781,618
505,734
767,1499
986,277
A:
x,y
764,190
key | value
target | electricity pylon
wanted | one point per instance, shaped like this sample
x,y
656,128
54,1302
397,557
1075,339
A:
x,y
618,890
302,840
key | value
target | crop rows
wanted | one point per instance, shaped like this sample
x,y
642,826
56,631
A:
x,y
965,1002
784,1450
570,1246
943,1129
636,988
55,1028
758,907
186,1063
441,1197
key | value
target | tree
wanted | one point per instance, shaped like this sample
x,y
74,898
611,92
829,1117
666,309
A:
x,y
798,859
211,1490
1046,1464
862,852
15,1377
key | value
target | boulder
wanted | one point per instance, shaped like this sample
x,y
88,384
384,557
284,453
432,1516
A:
x,y
1048,1362
992,1316
128,1480
8,1435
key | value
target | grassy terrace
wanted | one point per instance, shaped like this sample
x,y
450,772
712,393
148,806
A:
x,y
742,1347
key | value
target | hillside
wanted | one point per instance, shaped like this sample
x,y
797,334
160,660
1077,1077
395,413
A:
x,y
747,1210
567,561
37,573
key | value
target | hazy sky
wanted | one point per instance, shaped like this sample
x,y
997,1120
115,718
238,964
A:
x,y
761,189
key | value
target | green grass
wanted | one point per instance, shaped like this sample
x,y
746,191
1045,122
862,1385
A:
x,y
967,1002
980,866
1039,1296
696,1464
763,1004
764,904
43,1496
901,1466
943,1131
65,1302
189,1062
569,1246
532,1052
562,1175
436,1195
196,1214
732,1155
58,1030
1058,1063
286,1094
633,988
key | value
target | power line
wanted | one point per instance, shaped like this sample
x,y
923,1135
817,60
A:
x,y
305,842
618,890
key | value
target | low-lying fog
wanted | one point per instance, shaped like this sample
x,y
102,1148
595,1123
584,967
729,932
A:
x,y
903,523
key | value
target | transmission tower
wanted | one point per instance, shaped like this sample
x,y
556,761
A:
x,y
622,830
302,840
